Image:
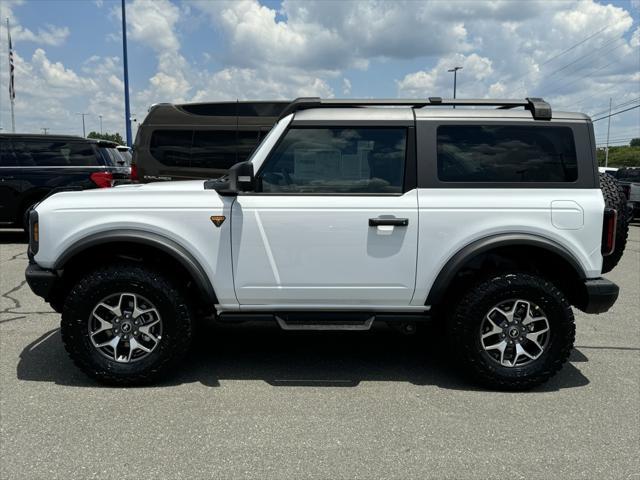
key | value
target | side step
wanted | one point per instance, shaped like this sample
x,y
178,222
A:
x,y
327,321
328,324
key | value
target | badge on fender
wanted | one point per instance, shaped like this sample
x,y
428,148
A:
x,y
218,219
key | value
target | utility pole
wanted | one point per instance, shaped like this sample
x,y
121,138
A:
x,y
125,64
100,124
606,151
84,133
455,79
45,130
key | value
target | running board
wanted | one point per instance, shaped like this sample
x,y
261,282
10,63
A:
x,y
308,324
327,321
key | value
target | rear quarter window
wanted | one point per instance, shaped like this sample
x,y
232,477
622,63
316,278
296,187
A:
x,y
514,154
55,153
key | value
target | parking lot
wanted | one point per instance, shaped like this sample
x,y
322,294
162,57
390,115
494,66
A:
x,y
255,402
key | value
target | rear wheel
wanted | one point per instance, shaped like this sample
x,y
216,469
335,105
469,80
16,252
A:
x,y
126,324
512,332
614,197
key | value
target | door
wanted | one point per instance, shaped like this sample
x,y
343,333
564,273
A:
x,y
333,222
10,184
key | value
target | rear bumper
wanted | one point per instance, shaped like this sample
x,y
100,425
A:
x,y
42,282
601,294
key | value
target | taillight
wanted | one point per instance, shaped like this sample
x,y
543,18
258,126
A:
x,y
609,231
102,179
134,173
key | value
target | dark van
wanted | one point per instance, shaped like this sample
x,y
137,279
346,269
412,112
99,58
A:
x,y
31,166
200,140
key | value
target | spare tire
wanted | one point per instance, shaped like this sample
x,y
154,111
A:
x,y
614,197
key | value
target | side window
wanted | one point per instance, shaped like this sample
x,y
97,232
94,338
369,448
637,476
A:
x,y
247,142
337,160
476,153
55,153
213,149
172,147
7,157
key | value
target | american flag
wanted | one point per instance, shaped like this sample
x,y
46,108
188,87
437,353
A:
x,y
12,90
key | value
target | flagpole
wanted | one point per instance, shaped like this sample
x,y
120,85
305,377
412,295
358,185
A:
x,y
12,86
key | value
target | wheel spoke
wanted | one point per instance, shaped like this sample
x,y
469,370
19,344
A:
x,y
521,351
115,310
501,347
104,324
134,344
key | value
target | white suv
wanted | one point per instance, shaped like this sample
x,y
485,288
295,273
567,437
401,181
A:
x,y
490,220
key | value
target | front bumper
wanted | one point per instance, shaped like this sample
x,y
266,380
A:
x,y
601,294
42,282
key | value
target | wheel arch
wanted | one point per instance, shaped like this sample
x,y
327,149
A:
x,y
144,241
499,244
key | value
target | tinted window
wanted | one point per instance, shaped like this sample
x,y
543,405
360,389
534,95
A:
x,y
473,153
7,158
261,109
247,142
213,149
337,160
214,109
172,147
55,153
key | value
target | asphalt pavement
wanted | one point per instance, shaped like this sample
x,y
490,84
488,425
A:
x,y
256,402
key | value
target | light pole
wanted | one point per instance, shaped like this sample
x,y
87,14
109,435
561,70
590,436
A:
x,y
125,64
45,130
84,133
606,152
100,124
455,79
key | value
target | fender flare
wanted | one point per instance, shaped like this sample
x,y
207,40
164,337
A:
x,y
166,245
458,261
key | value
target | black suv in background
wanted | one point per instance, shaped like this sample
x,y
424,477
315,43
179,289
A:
x,y
31,166
200,140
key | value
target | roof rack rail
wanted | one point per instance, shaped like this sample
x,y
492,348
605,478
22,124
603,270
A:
x,y
539,109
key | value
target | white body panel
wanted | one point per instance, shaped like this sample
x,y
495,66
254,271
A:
x,y
451,219
179,211
320,250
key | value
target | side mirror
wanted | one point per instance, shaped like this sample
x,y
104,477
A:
x,y
239,179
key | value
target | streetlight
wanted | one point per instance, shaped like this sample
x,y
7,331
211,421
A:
x,y
100,124
45,130
84,133
125,66
455,78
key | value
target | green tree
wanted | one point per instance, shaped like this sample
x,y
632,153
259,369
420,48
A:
x,y
112,137
635,142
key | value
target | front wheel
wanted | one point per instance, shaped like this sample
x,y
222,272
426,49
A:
x,y
126,324
512,331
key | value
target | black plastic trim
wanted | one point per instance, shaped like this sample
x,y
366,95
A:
x,y
178,252
41,281
601,294
458,261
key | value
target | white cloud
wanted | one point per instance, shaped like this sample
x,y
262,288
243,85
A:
x,y
46,35
437,79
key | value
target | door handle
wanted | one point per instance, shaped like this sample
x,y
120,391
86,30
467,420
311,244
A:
x,y
396,222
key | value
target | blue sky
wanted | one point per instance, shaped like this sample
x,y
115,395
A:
x,y
68,54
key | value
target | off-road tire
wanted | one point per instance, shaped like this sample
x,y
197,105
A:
x,y
465,319
614,197
177,323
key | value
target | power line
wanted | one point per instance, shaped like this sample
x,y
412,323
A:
x,y
565,51
624,104
614,114
592,52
